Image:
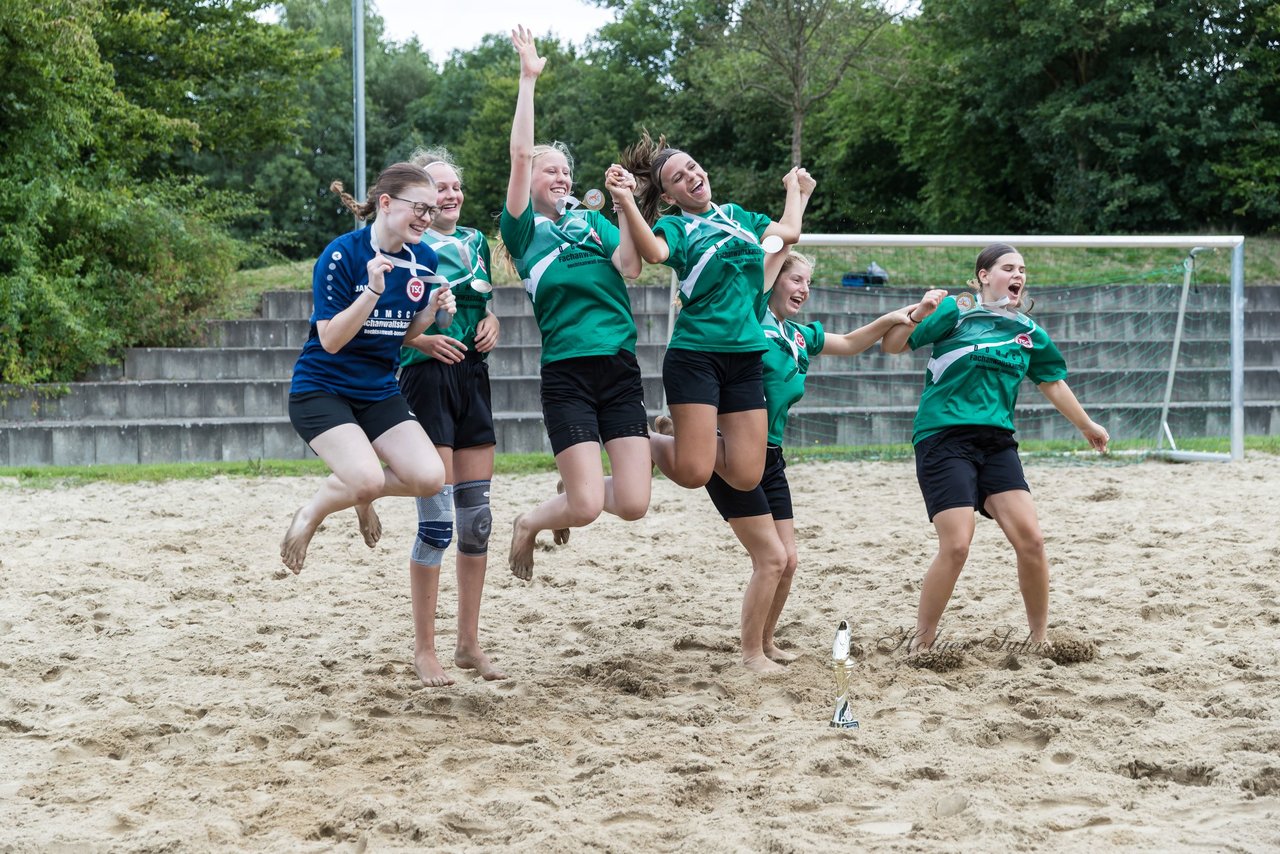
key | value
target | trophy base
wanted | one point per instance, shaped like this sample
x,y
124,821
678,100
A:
x,y
843,717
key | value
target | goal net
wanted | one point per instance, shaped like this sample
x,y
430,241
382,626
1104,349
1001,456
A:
x,y
1145,324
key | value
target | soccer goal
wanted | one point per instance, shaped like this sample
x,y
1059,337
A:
x,y
1152,329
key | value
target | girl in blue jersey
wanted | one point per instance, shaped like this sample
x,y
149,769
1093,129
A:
x,y
966,456
574,264
371,292
712,368
445,378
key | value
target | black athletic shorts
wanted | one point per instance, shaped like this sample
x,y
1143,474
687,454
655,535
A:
x,y
593,399
963,466
731,382
772,497
314,412
453,402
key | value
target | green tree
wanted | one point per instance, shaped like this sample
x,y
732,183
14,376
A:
x,y
92,258
1250,165
795,54
1070,115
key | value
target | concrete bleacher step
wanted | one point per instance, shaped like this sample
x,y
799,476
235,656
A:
x,y
842,384
874,425
228,400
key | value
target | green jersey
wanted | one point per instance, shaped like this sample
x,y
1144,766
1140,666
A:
x,y
980,355
720,265
579,299
465,262
786,364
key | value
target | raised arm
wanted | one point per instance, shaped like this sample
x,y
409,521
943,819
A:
x,y
651,248
621,185
522,124
895,340
1064,400
800,185
905,319
773,266
336,332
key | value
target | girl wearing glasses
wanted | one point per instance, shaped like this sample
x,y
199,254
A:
x,y
371,293
445,378
712,370
762,518
573,263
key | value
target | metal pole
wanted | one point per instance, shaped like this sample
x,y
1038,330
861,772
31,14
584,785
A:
x,y
1189,266
1237,352
357,69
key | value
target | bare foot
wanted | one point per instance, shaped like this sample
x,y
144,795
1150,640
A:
x,y
370,524
293,548
761,664
779,655
476,660
560,535
429,672
522,542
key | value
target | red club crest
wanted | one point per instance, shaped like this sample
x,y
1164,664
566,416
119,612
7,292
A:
x,y
1024,339
800,340
416,289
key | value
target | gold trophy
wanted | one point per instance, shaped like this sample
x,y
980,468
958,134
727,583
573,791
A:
x,y
842,666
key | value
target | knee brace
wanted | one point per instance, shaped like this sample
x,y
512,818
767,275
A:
x,y
474,519
435,527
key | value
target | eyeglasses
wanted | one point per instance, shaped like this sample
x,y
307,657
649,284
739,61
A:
x,y
421,210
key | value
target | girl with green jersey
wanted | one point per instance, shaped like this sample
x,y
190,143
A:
x,y
573,263
712,369
966,456
445,379
762,517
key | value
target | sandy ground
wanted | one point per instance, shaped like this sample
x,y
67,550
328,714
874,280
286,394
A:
x,y
166,686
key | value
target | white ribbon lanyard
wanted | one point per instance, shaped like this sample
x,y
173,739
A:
x,y
722,221
998,307
412,266
780,331
467,262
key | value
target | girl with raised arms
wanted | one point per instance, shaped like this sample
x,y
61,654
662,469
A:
x,y
573,263
712,369
371,293
445,378
966,456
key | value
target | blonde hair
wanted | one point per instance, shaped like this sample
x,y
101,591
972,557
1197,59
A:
x,y
793,258
424,157
543,148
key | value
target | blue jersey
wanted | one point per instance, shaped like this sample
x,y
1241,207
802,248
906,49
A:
x,y
364,369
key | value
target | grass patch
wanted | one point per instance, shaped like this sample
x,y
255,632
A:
x,y
49,477
1065,449
951,267
515,465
